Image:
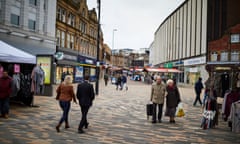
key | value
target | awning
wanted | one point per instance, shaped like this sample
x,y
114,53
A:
x,y
11,54
162,70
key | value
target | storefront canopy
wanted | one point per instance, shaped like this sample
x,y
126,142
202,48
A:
x,y
162,70
11,54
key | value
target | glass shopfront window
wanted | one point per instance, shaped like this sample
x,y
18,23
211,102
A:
x,y
61,70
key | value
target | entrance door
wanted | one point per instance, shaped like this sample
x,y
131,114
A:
x,y
225,83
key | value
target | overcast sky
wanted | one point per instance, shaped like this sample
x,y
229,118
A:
x,y
135,20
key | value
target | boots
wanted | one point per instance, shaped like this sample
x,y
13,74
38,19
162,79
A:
x,y
67,125
58,127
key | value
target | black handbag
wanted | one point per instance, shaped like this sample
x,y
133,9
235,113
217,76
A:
x,y
149,108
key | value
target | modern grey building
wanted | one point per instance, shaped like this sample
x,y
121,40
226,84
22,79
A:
x,y
29,25
181,41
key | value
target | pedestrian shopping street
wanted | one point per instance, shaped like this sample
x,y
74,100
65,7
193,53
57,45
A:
x,y
116,117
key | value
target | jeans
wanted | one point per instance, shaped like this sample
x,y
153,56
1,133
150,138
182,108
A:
x,y
160,109
83,121
4,106
65,106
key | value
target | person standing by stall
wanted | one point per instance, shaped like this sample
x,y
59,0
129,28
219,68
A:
x,y
5,92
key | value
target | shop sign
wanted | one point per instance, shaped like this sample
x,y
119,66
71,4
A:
x,y
88,61
168,65
45,62
177,63
16,68
59,55
193,70
195,61
70,57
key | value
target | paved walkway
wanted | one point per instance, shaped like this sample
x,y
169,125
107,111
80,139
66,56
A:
x,y
116,117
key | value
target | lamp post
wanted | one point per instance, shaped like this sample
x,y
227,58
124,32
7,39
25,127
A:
x,y
98,48
113,38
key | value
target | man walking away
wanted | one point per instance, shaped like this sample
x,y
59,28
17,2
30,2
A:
x,y
124,82
106,79
198,89
157,97
85,95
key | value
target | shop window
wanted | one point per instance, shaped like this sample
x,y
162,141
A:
x,y
235,56
224,56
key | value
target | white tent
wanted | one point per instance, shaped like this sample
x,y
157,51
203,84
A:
x,y
11,54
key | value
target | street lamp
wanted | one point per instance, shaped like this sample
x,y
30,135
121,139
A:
x,y
113,38
98,48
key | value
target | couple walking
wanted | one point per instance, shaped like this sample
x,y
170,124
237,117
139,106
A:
x,y
85,95
158,93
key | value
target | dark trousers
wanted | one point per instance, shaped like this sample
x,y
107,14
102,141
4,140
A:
x,y
65,106
160,108
197,99
83,121
4,106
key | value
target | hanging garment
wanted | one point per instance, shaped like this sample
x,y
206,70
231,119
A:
x,y
234,117
231,98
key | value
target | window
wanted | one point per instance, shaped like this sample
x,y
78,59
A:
x,y
235,38
214,56
71,19
83,27
62,39
15,19
68,40
72,42
33,2
224,56
31,24
58,36
235,56
61,14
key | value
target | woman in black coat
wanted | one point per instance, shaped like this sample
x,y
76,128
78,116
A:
x,y
172,100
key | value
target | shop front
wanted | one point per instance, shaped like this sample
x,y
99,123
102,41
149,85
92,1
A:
x,y
86,67
179,66
66,65
195,68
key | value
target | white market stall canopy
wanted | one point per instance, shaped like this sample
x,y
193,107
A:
x,y
11,54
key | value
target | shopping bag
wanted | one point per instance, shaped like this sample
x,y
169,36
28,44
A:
x,y
180,111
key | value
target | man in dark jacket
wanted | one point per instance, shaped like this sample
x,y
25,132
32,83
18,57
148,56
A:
x,y
5,92
198,89
85,95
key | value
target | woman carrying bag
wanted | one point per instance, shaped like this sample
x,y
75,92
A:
x,y
65,94
172,100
